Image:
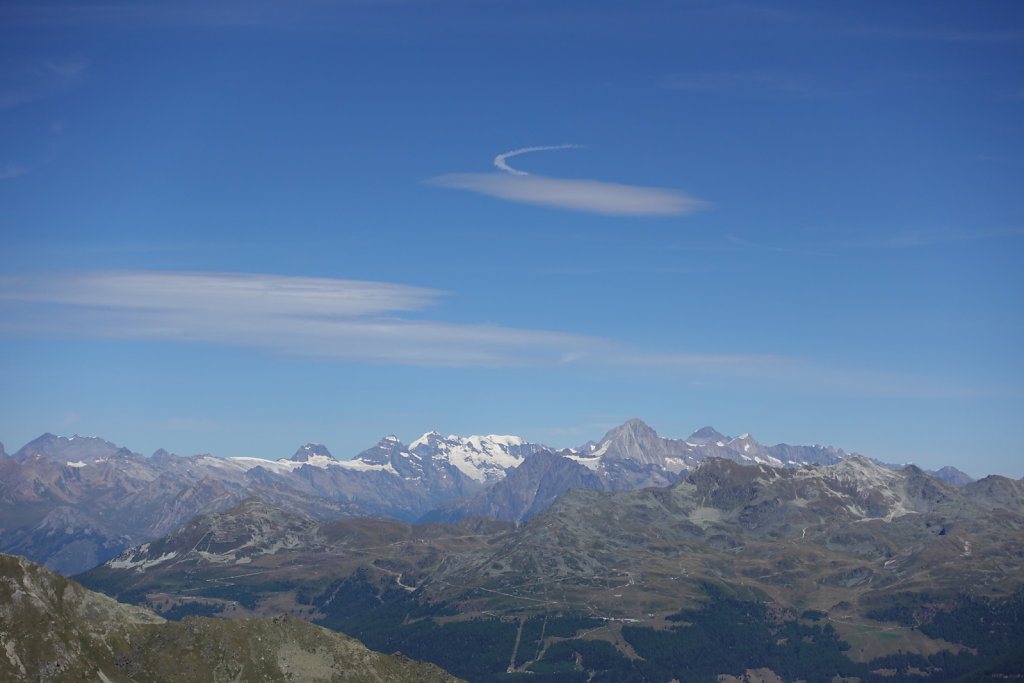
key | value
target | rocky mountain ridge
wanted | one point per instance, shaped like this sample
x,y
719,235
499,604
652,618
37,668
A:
x,y
856,508
73,502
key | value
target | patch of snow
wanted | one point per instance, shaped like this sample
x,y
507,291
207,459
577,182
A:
x,y
246,464
360,465
504,440
216,558
128,561
591,462
78,463
424,440
674,464
321,461
483,458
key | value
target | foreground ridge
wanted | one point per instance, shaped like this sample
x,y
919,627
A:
x,y
54,629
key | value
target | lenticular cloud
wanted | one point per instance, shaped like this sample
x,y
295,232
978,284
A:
x,y
590,196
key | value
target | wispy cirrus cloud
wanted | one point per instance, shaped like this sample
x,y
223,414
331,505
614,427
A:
x,y
356,321
766,372
501,160
909,239
238,293
322,318
590,196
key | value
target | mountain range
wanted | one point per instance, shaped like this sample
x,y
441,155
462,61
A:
x,y
71,503
861,568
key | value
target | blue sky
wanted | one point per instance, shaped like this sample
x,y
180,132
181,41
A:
x,y
235,227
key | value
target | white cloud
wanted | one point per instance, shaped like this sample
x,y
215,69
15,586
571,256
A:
x,y
500,162
311,317
234,293
358,322
591,196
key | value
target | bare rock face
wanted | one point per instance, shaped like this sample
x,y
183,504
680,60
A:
x,y
54,629
526,490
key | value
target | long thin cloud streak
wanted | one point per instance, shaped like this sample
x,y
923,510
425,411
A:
x,y
590,196
302,316
499,160
237,293
355,322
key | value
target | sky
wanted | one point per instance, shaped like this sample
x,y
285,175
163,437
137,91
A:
x,y
237,227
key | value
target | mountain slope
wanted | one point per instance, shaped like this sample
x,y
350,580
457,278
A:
x,y
53,629
812,536
526,490
804,536
850,546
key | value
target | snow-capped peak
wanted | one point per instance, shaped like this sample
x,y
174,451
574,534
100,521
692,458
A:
x,y
481,458
312,450
425,439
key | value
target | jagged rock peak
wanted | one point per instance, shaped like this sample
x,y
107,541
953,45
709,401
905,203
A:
x,y
312,450
636,441
952,475
634,428
428,439
78,448
707,434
